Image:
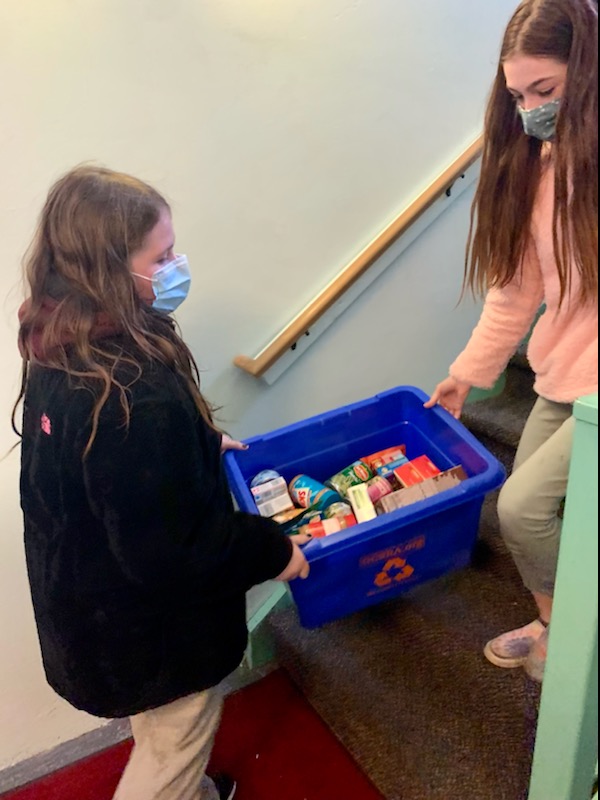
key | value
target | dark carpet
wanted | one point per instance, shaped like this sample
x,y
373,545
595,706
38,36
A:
x,y
405,686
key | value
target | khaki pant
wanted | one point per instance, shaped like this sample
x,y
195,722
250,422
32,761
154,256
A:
x,y
531,497
172,745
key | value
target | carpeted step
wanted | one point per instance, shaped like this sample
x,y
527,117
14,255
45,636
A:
x,y
501,419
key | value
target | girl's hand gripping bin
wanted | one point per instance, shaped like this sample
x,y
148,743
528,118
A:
x,y
382,558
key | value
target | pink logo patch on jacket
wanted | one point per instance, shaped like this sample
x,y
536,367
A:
x,y
45,424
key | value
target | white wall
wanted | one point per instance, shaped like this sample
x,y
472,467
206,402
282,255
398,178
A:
x,y
286,135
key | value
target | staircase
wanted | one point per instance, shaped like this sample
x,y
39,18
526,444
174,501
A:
x,y
404,684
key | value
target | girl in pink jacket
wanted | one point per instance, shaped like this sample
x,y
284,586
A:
x,y
534,240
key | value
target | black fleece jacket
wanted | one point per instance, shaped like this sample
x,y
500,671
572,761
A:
x,y
138,564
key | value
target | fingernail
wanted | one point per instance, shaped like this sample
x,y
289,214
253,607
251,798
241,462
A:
x,y
245,446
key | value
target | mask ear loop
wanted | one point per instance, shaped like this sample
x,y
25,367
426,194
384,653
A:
x,y
170,265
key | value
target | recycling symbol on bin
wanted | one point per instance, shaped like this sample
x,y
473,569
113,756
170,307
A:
x,y
394,571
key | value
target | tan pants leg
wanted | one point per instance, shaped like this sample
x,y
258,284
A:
x,y
172,745
530,498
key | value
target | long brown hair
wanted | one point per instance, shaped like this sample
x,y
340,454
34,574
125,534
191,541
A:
x,y
93,221
567,31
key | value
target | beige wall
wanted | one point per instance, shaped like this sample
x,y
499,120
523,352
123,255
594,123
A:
x,y
286,134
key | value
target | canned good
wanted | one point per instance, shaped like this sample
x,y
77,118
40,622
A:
x,y
292,518
337,510
309,493
357,472
307,516
327,526
378,487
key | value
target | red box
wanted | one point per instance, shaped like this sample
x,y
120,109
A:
x,y
408,474
425,466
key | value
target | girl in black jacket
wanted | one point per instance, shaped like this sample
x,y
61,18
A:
x,y
137,562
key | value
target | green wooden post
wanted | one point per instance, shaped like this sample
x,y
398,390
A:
x,y
260,602
476,394
566,747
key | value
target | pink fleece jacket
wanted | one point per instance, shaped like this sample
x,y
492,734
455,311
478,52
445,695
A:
x,y
563,348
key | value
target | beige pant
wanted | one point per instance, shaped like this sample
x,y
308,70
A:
x,y
531,497
172,745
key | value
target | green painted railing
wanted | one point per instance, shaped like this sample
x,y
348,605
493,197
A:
x,y
566,747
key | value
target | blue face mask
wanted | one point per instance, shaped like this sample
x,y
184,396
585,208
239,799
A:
x,y
170,284
541,121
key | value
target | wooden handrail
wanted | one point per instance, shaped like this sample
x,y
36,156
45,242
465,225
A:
x,y
348,276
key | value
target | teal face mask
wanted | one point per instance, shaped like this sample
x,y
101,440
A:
x,y
541,121
170,284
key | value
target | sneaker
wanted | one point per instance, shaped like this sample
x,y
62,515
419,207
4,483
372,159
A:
x,y
536,660
225,786
512,648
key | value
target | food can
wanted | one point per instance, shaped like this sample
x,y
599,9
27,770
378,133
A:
x,y
310,515
327,526
337,510
309,493
356,473
378,487
292,518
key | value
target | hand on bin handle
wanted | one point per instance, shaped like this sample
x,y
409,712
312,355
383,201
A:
x,y
451,395
298,566
227,443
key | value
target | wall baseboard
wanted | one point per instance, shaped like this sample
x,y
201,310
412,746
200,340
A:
x,y
87,744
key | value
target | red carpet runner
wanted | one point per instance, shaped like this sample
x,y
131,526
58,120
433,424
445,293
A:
x,y
270,739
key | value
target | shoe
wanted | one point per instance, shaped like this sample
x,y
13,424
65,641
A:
x,y
536,660
225,786
511,649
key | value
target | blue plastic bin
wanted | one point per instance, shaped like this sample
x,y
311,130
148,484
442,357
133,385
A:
x,y
380,559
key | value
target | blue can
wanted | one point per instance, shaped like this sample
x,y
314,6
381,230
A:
x,y
309,493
